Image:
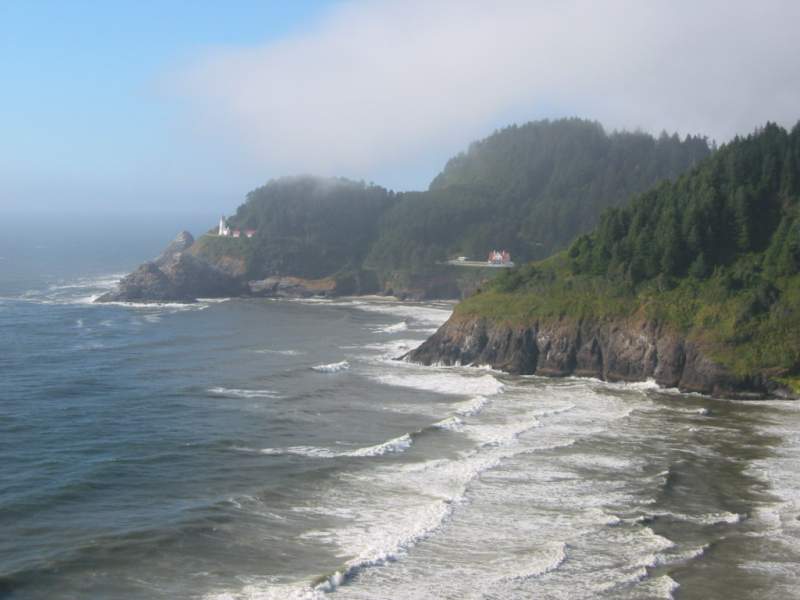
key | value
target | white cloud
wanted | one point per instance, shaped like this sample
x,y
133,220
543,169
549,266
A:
x,y
375,85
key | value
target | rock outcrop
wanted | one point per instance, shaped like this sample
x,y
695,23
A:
x,y
292,287
611,350
175,276
182,242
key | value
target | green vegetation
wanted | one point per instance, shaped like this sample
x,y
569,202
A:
x,y
309,226
716,255
529,189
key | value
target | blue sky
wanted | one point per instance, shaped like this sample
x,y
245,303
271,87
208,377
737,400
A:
x,y
84,120
143,106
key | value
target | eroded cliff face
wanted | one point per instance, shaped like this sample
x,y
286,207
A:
x,y
614,350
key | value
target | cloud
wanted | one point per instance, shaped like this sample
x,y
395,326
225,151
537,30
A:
x,y
372,86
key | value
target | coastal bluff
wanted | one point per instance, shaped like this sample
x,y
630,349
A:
x,y
625,350
175,276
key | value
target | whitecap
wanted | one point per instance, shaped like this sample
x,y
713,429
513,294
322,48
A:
x,y
393,328
241,393
393,446
398,444
716,518
332,367
450,424
444,383
472,407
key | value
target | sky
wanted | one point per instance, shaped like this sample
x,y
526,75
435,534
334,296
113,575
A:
x,y
183,105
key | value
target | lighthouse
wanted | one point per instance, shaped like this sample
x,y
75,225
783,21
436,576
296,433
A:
x,y
223,227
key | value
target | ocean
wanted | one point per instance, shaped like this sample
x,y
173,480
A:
x,y
275,449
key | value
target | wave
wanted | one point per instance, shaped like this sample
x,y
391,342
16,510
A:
x,y
82,290
394,328
450,423
398,444
426,315
241,393
717,518
389,350
553,557
445,383
393,446
472,407
308,451
332,367
282,352
417,525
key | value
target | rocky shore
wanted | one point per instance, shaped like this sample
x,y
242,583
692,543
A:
x,y
183,274
175,276
616,350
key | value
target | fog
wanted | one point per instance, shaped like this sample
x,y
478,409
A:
x,y
374,86
388,91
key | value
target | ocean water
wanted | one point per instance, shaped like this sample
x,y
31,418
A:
x,y
260,449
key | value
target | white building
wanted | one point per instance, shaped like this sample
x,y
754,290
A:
x,y
224,230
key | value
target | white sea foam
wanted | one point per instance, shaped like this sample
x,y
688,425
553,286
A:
x,y
450,423
332,367
550,558
403,526
309,451
393,446
472,407
398,444
444,382
241,393
82,290
393,328
680,556
717,518
422,314
495,521
282,352
389,350
646,385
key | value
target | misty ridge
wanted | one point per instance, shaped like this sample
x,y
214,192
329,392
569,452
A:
x,y
530,189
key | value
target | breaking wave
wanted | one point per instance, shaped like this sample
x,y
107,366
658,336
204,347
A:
x,y
445,383
394,328
332,367
241,393
393,446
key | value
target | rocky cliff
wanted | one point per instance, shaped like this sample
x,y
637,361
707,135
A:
x,y
183,273
175,276
613,350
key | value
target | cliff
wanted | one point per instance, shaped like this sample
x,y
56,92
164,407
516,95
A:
x,y
696,284
175,276
611,350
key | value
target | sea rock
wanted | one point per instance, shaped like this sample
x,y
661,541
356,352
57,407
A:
x,y
147,283
611,350
175,276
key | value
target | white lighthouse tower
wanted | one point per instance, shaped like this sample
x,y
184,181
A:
x,y
224,230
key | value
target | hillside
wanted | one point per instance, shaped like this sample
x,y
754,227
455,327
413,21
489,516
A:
x,y
307,227
696,283
530,189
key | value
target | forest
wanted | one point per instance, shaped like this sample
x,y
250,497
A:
x,y
714,255
530,189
